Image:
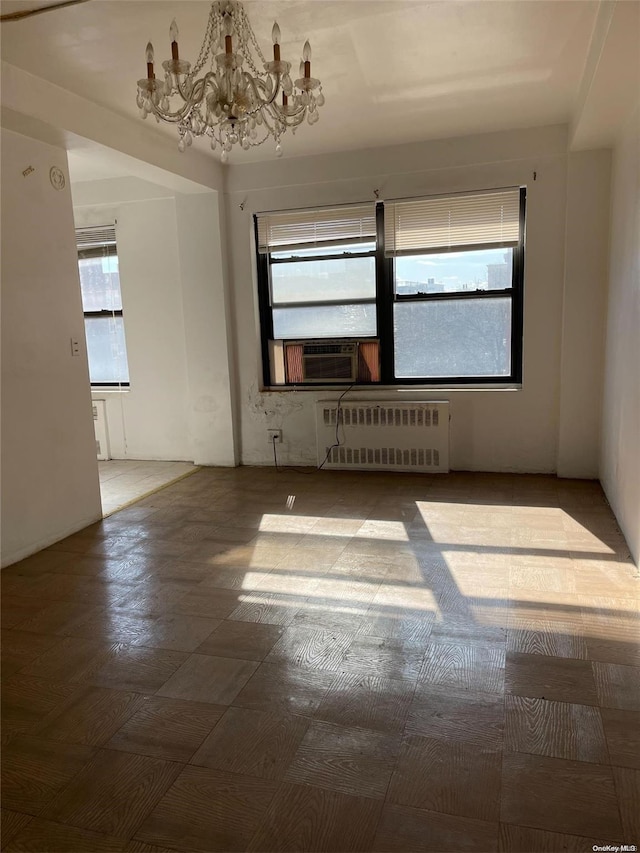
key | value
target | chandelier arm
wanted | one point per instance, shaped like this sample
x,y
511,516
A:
x,y
256,83
296,117
201,84
174,117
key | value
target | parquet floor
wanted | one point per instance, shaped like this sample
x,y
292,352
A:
x,y
252,660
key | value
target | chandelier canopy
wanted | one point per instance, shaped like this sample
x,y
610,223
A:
x,y
242,99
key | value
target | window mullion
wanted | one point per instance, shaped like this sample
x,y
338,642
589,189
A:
x,y
265,309
384,300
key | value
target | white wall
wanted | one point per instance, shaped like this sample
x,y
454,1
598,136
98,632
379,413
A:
x,y
620,457
490,430
207,329
584,315
171,274
49,470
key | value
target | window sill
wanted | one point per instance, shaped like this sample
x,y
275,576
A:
x,y
397,389
98,389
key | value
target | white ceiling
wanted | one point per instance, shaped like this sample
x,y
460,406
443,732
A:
x,y
392,70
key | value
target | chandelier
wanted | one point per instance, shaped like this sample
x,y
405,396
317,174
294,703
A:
x,y
241,98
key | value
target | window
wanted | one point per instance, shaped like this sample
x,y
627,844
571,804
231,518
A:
x,y
427,290
102,305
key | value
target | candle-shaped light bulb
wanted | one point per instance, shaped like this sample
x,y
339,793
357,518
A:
x,y
173,35
306,55
150,74
228,30
275,35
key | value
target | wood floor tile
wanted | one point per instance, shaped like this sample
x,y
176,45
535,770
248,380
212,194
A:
x,y
111,626
407,626
310,648
90,716
474,668
206,678
135,669
542,677
244,640
60,617
143,847
53,837
465,629
523,839
267,608
557,729
353,761
627,782
12,824
280,687
384,657
27,700
303,819
212,603
208,811
178,632
623,736
625,652
252,743
536,635
548,579
618,686
34,771
113,793
402,829
20,648
155,598
570,797
230,577
171,729
453,777
69,660
457,715
15,609
609,579
367,702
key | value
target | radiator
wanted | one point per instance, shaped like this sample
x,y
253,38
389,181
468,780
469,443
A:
x,y
384,436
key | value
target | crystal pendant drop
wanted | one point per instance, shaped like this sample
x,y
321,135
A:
x,y
181,146
278,150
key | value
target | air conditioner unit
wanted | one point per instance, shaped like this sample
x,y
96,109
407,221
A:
x,y
329,361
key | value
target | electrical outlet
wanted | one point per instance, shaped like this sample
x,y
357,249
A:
x,y
75,347
274,435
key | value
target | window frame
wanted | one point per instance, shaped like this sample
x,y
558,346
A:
x,y
101,251
385,300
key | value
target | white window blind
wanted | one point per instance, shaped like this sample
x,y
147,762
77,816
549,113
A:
x,y
95,236
468,220
298,229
